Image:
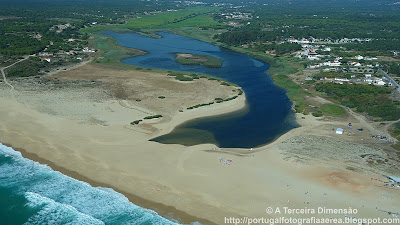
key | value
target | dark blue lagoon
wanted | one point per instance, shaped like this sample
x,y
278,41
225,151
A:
x,y
267,116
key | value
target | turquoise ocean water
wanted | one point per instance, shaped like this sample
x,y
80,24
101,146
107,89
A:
x,y
33,193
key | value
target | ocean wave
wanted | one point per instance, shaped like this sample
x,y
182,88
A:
x,y
9,151
52,212
113,192
60,199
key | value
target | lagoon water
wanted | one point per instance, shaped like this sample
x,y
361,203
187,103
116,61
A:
x,y
267,116
33,193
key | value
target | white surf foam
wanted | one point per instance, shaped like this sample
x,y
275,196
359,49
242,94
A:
x,y
63,195
52,212
9,151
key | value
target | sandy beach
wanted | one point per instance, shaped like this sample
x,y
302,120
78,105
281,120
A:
x,y
78,122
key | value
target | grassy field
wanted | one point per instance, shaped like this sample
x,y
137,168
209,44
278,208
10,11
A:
x,y
194,16
197,33
195,59
294,91
168,18
205,21
110,52
332,109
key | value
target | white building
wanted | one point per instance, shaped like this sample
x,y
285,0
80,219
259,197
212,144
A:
x,y
312,57
327,49
368,80
358,57
342,79
86,49
332,63
379,83
47,59
356,64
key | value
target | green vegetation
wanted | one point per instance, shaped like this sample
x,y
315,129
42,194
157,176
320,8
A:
x,y
146,118
374,47
228,99
102,12
27,68
392,67
225,84
111,52
23,36
365,98
196,59
192,16
332,75
295,92
201,21
280,68
199,105
202,34
397,147
280,49
317,113
276,22
331,109
395,132
184,76
395,129
161,97
167,18
152,117
136,122
265,30
217,100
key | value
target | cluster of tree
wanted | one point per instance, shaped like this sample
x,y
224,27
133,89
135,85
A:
x,y
273,21
332,75
21,36
393,68
244,36
101,11
371,99
374,45
30,26
22,44
349,54
279,49
27,68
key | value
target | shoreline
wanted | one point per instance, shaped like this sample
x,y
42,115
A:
x,y
161,209
192,179
191,182
238,105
